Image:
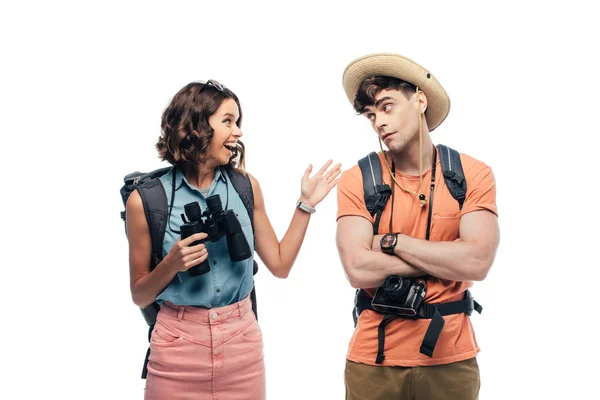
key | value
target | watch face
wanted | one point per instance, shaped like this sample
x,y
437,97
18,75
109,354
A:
x,y
387,240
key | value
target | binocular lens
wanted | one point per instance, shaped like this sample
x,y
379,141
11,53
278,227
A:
x,y
193,211
213,203
238,247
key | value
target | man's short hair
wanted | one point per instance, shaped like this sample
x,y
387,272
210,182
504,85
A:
x,y
370,88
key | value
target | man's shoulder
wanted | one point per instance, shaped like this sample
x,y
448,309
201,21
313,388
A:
x,y
472,166
353,174
353,171
351,178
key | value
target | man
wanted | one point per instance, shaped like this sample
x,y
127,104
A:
x,y
436,244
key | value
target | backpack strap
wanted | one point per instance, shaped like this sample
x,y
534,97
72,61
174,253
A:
x,y
156,209
434,312
132,180
453,173
154,199
376,193
242,185
376,196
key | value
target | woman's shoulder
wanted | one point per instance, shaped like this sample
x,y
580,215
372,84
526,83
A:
x,y
134,202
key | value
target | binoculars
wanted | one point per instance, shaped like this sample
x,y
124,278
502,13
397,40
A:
x,y
216,223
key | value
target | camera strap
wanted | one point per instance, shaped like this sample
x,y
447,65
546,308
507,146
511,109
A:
x,y
431,190
435,312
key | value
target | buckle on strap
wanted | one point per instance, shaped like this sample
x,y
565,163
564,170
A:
x,y
478,307
427,310
426,351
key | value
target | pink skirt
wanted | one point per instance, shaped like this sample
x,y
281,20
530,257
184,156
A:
x,y
206,354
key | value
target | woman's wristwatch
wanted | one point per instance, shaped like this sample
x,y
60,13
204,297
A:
x,y
305,207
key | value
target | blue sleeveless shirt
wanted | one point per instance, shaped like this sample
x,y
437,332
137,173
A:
x,y
227,282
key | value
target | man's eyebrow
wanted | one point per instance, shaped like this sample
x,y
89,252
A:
x,y
378,102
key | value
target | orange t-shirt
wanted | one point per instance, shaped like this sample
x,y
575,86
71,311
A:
x,y
403,337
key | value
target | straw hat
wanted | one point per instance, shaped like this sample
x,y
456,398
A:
x,y
397,66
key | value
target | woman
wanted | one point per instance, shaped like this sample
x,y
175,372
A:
x,y
206,342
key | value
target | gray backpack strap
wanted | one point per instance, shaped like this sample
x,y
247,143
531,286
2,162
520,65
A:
x,y
133,180
154,199
453,173
376,193
241,183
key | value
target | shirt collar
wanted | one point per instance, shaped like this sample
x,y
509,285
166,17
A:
x,y
180,178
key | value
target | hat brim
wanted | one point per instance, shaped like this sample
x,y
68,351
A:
x,y
397,66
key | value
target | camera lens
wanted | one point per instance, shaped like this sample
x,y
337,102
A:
x,y
392,283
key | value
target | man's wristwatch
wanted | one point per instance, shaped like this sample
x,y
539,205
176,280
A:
x,y
305,207
388,242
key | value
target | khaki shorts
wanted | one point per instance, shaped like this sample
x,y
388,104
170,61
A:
x,y
454,381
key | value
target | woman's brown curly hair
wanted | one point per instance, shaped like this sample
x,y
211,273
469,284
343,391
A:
x,y
185,131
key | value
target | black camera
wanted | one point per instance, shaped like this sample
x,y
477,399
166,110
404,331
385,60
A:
x,y
399,296
216,223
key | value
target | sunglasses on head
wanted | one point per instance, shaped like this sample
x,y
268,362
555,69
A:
x,y
213,83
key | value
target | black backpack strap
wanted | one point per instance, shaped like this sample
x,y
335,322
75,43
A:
x,y
154,199
381,336
376,193
453,173
132,180
253,299
145,366
435,312
362,301
242,185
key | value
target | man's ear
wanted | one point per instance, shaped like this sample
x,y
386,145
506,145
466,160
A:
x,y
422,101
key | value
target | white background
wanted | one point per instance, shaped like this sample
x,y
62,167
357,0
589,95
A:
x,y
83,86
